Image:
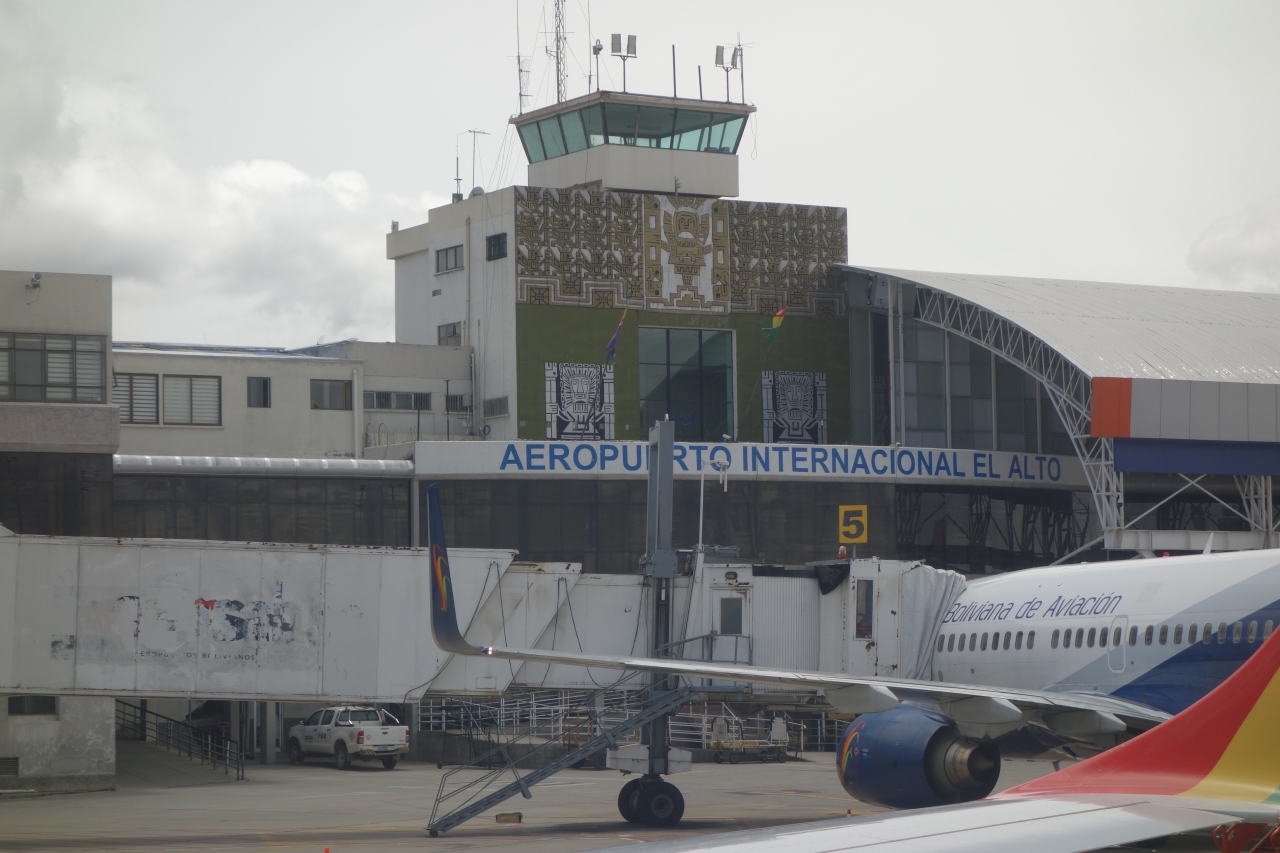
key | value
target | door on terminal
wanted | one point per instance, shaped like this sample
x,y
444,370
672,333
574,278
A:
x,y
731,615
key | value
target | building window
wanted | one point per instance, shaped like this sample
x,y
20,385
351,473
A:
x,y
137,395
259,392
449,335
455,404
331,394
436,292
24,706
193,400
52,368
495,246
405,401
449,259
687,374
731,614
496,407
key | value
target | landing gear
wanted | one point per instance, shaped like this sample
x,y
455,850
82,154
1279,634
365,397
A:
x,y
651,801
627,800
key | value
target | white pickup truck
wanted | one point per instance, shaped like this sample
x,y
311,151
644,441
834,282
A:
x,y
349,732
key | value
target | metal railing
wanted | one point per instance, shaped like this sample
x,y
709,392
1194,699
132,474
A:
x,y
582,734
207,747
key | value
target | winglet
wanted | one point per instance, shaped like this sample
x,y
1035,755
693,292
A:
x,y
444,614
1223,747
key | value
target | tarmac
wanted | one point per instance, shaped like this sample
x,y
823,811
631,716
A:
x,y
163,804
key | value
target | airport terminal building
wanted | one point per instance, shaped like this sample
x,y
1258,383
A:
x,y
975,422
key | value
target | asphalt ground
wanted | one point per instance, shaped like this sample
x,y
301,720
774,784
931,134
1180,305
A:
x,y
316,807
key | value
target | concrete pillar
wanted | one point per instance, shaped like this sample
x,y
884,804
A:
x,y
233,720
269,733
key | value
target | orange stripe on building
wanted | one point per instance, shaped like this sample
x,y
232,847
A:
x,y
1112,401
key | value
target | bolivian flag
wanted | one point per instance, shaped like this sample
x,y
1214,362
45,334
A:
x,y
611,348
771,333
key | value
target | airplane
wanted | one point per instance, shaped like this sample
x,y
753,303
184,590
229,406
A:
x,y
1067,660
1214,766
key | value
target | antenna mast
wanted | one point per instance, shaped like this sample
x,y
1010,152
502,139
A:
x,y
560,51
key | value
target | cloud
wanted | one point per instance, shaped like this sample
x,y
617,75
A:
x,y
251,252
1242,251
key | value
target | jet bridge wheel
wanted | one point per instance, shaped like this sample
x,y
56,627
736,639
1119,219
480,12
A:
x,y
627,800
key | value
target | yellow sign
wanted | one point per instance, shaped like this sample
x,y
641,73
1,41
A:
x,y
853,524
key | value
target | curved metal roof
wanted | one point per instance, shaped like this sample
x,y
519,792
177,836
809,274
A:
x,y
1130,330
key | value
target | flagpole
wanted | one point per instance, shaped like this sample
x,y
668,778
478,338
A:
x,y
773,338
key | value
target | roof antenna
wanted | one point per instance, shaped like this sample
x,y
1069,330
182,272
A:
x,y
729,67
559,52
630,54
522,73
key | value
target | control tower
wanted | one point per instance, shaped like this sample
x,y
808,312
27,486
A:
x,y
646,143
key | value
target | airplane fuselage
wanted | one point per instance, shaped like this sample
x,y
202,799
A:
x,y
1161,632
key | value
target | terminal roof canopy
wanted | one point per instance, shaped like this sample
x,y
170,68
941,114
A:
x,y
1129,330
642,121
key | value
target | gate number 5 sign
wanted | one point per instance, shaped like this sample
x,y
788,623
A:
x,y
853,524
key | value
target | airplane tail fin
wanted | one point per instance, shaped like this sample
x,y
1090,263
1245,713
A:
x,y
1225,747
444,615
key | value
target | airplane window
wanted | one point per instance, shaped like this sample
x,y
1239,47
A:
x,y
1103,634
1079,637
1053,638
1177,635
1191,635
1017,641
1031,639
1115,637
1208,633
1066,639
984,641
973,642
1236,631
1266,629
962,642
1222,632
1164,635
951,642
1133,635
1253,631
1093,635
1149,635
1008,635
942,640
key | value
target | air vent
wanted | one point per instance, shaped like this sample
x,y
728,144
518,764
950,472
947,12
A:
x,y
8,767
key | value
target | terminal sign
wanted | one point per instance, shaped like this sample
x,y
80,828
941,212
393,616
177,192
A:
x,y
853,524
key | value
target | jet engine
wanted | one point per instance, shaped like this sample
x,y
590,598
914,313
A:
x,y
911,758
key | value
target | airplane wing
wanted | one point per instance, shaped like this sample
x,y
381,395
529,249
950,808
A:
x,y
993,826
1101,714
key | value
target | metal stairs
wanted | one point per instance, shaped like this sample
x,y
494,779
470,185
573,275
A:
x,y
476,801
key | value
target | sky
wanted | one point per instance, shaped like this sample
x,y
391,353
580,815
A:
x,y
236,165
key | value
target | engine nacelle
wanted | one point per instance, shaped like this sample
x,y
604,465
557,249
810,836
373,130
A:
x,y
910,758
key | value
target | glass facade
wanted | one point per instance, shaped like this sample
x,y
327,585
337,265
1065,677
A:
x,y
687,374
631,124
954,393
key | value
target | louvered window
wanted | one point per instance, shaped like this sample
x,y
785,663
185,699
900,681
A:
x,y
51,368
137,396
194,400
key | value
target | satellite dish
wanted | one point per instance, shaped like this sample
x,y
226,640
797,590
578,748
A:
x,y
475,191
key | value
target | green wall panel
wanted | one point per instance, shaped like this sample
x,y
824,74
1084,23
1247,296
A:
x,y
567,334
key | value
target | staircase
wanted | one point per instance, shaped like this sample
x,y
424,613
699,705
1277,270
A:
x,y
204,747
576,742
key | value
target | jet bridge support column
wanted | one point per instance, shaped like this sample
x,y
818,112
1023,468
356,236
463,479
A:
x,y
649,799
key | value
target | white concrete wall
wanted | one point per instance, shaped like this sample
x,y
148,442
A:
x,y
290,428
623,167
65,303
78,742
59,428
407,367
481,296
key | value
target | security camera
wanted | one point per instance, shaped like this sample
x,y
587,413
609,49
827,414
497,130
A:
x,y
35,280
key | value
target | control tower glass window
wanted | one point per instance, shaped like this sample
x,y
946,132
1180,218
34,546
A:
x,y
687,374
631,124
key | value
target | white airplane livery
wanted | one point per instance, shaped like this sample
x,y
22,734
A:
x,y
1067,660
